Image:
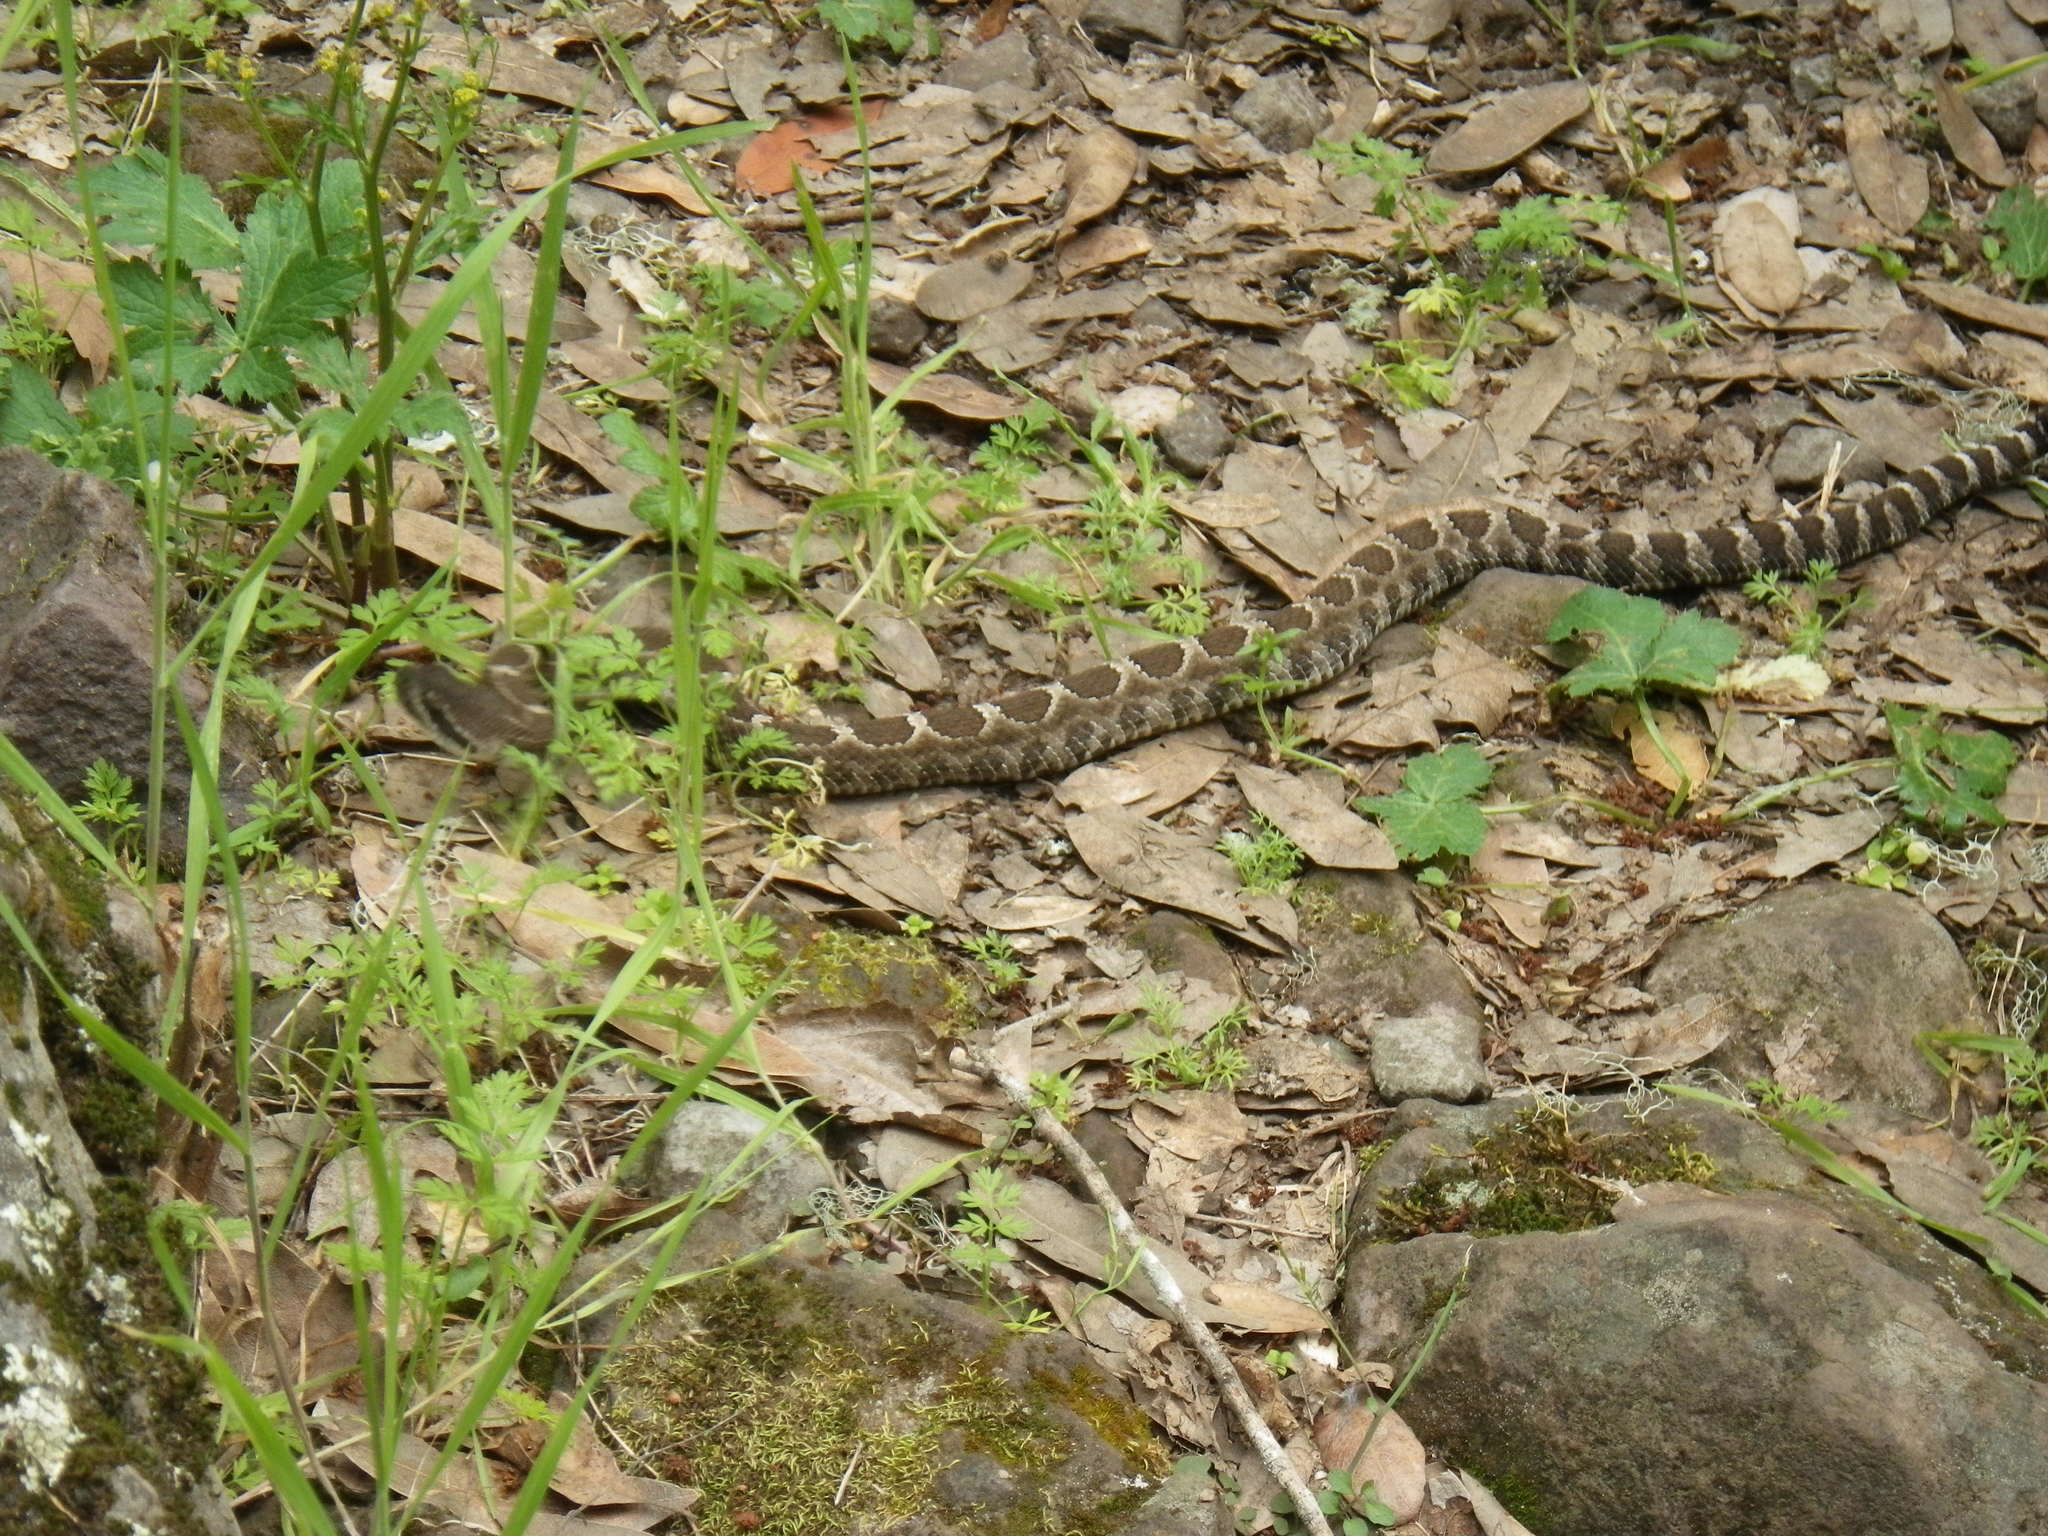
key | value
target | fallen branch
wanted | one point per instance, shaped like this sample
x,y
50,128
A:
x,y
1271,1454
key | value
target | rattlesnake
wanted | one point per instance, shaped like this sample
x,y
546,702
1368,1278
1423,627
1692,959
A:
x,y
1054,726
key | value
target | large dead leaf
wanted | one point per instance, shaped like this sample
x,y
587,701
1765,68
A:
x,y
480,1493
1678,738
1191,1125
1758,259
557,426
1143,859
1094,249
314,1313
1892,183
1508,128
962,399
1516,890
475,556
1812,840
519,68
1375,1447
2026,795
960,290
1154,775
65,290
768,165
635,177
1968,139
1986,308
1311,810
587,1473
1027,911
1100,169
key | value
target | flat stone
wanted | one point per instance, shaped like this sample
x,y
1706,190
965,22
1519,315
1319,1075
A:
x,y
76,674
1429,1056
1281,112
1114,25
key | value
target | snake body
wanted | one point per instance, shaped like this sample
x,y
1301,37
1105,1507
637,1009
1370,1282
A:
x,y
1051,727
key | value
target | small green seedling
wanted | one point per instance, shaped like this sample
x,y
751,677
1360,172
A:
x,y
2021,217
1948,779
1266,859
1811,606
1643,646
1436,810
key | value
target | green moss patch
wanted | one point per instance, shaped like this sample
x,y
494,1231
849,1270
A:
x,y
1542,1172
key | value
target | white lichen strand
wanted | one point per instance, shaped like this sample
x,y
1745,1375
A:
x,y
37,1424
42,1232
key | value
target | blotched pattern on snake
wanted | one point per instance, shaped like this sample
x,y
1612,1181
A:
x,y
1054,726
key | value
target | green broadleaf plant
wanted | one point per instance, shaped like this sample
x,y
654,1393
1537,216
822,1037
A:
x,y
1948,779
1436,810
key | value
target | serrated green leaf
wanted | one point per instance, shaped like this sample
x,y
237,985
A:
x,y
310,289
2022,217
636,453
29,408
1948,779
287,286
141,294
261,375
277,229
344,212
132,194
1692,651
1985,759
1420,832
333,369
1642,645
192,366
1433,812
141,297
1455,771
893,22
424,415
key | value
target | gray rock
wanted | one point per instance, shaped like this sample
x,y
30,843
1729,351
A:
x,y
1828,986
1173,941
1800,461
1368,954
1509,612
2009,109
762,1188
1005,59
1281,112
1769,1362
1187,1504
895,329
1526,777
1812,75
1114,25
601,210
75,620
974,1485
1473,1164
98,1428
1286,1064
1431,1056
1195,440
1102,1136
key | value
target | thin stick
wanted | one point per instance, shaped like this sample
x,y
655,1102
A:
x,y
1192,1327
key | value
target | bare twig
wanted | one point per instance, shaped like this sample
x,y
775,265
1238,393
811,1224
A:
x,y
1197,1333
